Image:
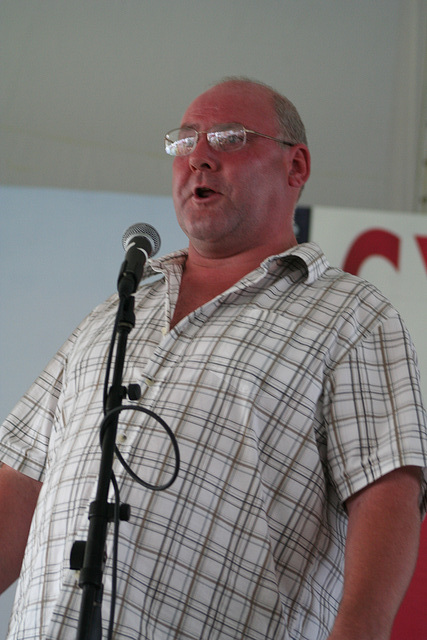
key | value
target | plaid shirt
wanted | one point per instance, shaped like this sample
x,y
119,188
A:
x,y
287,393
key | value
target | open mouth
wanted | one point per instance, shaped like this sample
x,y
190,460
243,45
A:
x,y
204,192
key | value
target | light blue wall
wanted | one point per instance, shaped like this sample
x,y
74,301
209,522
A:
x,y
60,254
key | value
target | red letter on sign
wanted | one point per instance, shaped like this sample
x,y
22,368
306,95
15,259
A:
x,y
375,242
422,244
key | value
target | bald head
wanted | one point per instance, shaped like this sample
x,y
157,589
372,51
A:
x,y
291,127
235,201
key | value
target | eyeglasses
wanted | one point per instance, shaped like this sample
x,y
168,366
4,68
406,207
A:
x,y
221,137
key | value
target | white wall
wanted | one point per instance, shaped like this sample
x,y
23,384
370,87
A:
x,y
88,88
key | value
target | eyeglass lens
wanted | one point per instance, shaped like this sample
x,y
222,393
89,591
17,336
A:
x,y
225,137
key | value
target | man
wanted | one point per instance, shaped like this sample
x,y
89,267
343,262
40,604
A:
x,y
293,393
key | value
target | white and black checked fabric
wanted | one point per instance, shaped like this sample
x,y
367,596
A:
x,y
287,393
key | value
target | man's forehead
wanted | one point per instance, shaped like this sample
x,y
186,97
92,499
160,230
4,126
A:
x,y
229,104
200,109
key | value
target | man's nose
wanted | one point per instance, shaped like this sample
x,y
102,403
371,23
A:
x,y
204,157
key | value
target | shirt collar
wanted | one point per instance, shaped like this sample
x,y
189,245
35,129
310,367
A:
x,y
307,257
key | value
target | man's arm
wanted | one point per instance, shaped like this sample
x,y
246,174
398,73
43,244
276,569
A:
x,y
18,498
381,553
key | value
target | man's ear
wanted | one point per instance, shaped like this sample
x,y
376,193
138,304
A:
x,y
299,165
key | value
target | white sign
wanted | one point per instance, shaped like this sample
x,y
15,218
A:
x,y
388,249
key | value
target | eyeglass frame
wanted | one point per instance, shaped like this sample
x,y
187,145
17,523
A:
x,y
214,129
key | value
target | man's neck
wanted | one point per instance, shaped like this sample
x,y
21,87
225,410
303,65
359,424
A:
x,y
205,265
205,277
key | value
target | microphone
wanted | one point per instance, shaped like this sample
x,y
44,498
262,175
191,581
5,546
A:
x,y
140,241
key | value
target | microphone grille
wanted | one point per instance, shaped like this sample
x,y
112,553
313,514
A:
x,y
142,229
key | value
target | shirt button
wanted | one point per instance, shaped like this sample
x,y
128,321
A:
x,y
165,330
149,382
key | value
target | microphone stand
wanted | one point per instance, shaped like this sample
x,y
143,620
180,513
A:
x,y
89,556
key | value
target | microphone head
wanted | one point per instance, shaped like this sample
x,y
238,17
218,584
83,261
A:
x,y
146,231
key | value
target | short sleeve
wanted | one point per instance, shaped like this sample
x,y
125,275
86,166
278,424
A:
x,y
376,421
